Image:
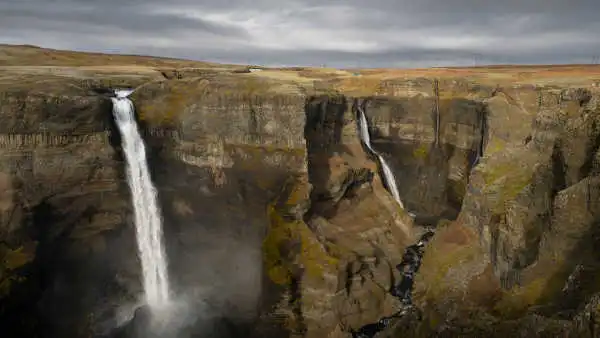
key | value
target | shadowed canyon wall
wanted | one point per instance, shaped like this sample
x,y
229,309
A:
x,y
437,174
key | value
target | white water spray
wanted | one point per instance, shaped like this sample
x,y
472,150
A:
x,y
388,176
148,221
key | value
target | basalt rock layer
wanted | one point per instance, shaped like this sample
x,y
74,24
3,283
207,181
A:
x,y
522,255
277,222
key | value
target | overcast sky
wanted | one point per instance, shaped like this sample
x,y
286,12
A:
x,y
337,33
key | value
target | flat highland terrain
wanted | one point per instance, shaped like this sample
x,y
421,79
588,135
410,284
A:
x,y
30,65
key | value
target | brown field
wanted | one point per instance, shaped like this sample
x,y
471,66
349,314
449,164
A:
x,y
23,62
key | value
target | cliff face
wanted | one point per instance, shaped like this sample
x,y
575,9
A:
x,y
522,254
258,186
220,158
67,232
63,210
276,219
433,145
292,170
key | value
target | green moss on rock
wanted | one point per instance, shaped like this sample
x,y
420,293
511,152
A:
x,y
504,181
290,245
540,291
421,152
452,247
11,260
164,107
14,259
496,145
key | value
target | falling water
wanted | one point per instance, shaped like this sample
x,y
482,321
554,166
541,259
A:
x,y
388,176
411,260
148,222
482,132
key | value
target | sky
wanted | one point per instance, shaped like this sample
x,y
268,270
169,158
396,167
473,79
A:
x,y
334,33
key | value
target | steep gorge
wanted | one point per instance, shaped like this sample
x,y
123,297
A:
x,y
270,198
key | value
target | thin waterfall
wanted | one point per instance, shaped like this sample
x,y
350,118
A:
x,y
482,133
148,220
411,260
388,176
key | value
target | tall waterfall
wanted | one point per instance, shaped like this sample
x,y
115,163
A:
x,y
148,221
388,176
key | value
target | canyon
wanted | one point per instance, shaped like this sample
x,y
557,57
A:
x,y
277,220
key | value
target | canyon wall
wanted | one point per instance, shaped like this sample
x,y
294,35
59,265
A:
x,y
276,218
522,255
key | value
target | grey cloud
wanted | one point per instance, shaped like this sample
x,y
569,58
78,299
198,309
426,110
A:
x,y
405,57
477,15
71,17
471,6
568,30
391,58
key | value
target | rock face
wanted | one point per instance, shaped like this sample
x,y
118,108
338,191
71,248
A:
x,y
62,201
432,143
66,208
524,245
341,239
277,223
314,232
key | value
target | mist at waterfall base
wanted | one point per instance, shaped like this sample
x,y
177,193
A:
x,y
195,309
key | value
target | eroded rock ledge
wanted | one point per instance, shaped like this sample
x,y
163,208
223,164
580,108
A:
x,y
269,196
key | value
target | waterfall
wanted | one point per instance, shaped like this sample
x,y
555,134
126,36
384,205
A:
x,y
482,133
148,221
411,260
388,176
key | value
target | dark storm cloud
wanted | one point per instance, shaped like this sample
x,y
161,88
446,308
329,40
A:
x,y
344,33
